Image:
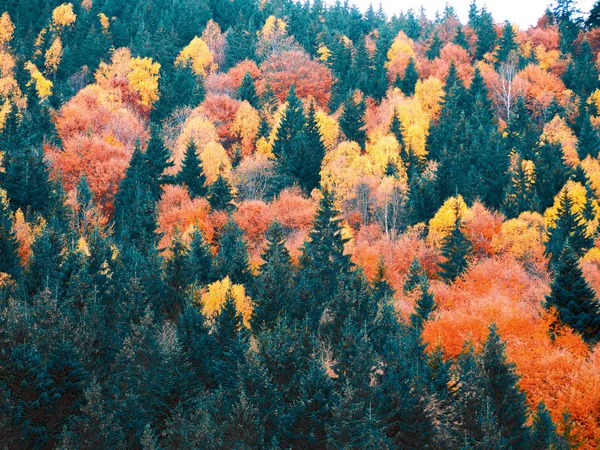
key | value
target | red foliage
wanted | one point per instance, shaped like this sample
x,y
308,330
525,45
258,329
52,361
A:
x,y
295,67
439,67
546,36
98,132
254,218
481,229
220,110
229,82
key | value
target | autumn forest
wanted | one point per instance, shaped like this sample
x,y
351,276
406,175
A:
x,y
283,224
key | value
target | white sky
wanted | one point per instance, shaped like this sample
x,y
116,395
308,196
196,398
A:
x,y
521,12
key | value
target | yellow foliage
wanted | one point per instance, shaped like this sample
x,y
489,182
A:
x,y
215,161
63,16
273,26
521,236
591,166
143,79
324,53
245,124
83,247
430,93
217,294
198,57
402,48
343,168
593,256
6,29
39,42
579,198
415,125
42,85
264,147
104,22
442,223
558,132
329,128
546,59
197,128
53,55
119,67
382,151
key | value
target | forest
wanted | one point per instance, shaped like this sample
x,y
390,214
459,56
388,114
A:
x,y
282,224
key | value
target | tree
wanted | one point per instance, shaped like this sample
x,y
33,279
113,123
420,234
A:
x,y
308,168
521,195
575,301
433,51
158,159
247,91
352,122
424,307
275,284
220,196
456,251
9,247
588,141
199,264
507,44
501,386
543,430
415,275
191,174
232,258
411,76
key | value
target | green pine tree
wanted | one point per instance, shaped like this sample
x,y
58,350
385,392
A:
x,y
191,174
411,76
199,263
220,194
456,251
435,47
9,246
352,122
247,91
507,43
232,258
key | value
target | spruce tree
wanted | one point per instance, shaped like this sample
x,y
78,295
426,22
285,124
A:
x,y
415,275
382,291
543,430
568,227
9,246
575,301
232,258
199,263
521,194
501,386
433,51
456,251
275,283
424,307
507,43
588,141
352,122
396,130
191,174
158,159
247,91
220,195
411,76
308,168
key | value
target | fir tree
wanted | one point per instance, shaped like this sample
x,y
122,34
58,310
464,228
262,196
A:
x,y
382,290
247,91
352,122
308,168
232,258
588,141
433,51
220,196
575,301
191,174
157,159
9,246
507,43
424,307
411,76
543,430
456,251
396,130
199,263
415,275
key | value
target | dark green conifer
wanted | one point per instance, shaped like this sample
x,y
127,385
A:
x,y
411,76
247,91
191,174
232,258
352,122
456,251
220,196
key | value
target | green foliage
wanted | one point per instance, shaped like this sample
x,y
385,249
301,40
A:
x,y
352,122
191,174
247,91
456,251
232,258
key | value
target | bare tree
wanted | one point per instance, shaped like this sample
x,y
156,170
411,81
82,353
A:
x,y
508,87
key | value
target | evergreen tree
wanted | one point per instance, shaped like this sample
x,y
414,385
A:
x,y
232,258
507,43
543,430
433,51
411,76
456,251
191,174
382,291
424,307
588,141
574,300
199,261
158,159
352,122
9,246
569,228
176,272
275,284
308,168
461,39
220,194
501,386
247,91
396,130
520,194
415,275
552,173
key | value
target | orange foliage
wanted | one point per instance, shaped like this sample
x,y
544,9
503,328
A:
x,y
295,67
177,210
439,67
221,110
254,218
546,36
228,83
541,87
481,229
26,233
98,132
295,213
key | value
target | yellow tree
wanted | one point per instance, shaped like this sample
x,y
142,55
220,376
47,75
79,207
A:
x,y
53,56
63,16
218,292
245,126
143,79
198,57
42,85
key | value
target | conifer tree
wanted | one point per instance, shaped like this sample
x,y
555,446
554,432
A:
x,y
425,305
456,251
569,228
507,43
352,122
275,283
433,51
382,290
543,430
575,301
232,258
415,274
9,246
308,168
199,263
176,275
158,159
501,386
411,76
461,39
220,194
396,130
247,91
521,194
191,174
588,141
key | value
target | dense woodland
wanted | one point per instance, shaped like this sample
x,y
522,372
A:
x,y
233,224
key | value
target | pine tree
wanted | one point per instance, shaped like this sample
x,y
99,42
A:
x,y
199,261
424,307
461,39
411,76
220,194
231,342
507,43
543,430
275,283
157,159
396,130
308,168
569,227
501,386
352,122
456,251
552,173
176,272
247,91
382,291
588,141
433,51
191,174
232,258
575,301
9,246
415,275
520,194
